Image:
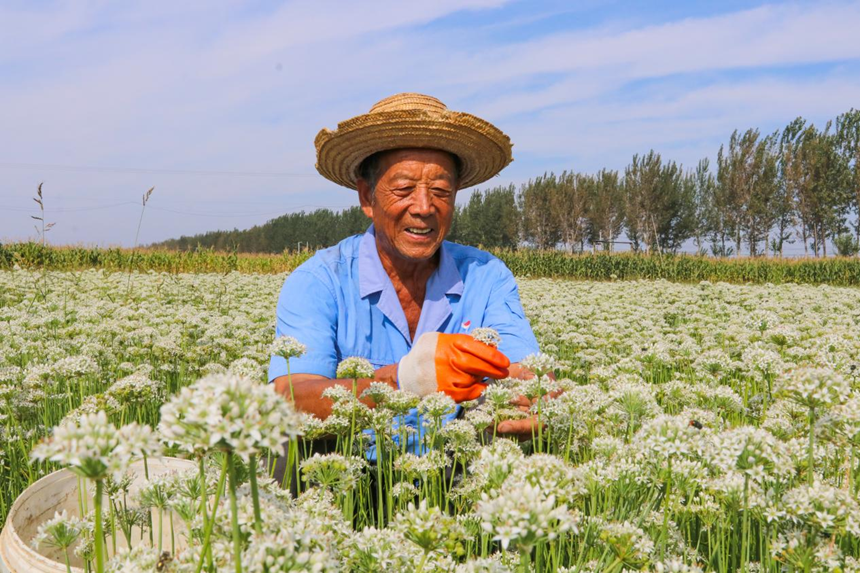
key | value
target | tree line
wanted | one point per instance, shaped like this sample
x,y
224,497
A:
x,y
290,232
766,191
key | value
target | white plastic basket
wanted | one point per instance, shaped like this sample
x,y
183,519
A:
x,y
59,491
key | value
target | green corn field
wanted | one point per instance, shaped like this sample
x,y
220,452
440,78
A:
x,y
838,271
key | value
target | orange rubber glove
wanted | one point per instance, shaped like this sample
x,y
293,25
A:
x,y
454,364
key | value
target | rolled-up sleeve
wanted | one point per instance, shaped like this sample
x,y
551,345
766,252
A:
x,y
505,314
307,311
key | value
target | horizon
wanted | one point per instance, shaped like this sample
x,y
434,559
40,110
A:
x,y
216,106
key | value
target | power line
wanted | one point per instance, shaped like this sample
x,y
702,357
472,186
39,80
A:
x,y
146,171
215,214
66,210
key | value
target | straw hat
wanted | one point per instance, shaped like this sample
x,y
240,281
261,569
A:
x,y
413,120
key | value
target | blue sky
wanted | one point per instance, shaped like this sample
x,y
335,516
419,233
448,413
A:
x,y
216,104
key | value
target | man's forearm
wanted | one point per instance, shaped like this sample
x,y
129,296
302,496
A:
x,y
307,389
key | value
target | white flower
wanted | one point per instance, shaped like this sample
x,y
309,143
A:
x,y
136,388
292,549
228,412
379,392
540,363
676,566
141,558
430,529
437,405
521,514
93,448
815,387
287,347
629,543
404,489
420,466
488,336
752,451
333,470
824,507
355,367
60,532
247,367
665,437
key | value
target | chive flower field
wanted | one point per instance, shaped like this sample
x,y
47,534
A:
x,y
683,428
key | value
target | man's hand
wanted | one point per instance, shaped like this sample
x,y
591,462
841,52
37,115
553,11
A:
x,y
523,428
451,363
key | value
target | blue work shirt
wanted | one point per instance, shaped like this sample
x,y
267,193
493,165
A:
x,y
341,303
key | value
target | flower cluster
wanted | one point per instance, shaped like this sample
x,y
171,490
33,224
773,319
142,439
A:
x,y
93,448
230,413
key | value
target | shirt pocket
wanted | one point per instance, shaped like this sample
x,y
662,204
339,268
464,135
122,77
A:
x,y
379,363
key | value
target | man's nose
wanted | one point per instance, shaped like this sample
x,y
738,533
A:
x,y
422,202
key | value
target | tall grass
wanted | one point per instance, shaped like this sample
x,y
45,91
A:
x,y
838,271
34,255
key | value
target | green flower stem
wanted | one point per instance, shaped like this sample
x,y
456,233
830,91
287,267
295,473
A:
x,y
287,478
348,452
98,533
745,527
665,533
160,528
149,515
525,561
539,419
811,450
234,512
380,463
208,533
204,499
112,511
255,494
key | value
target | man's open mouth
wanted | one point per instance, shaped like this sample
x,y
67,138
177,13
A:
x,y
418,231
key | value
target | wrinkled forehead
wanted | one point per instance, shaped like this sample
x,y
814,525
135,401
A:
x,y
418,158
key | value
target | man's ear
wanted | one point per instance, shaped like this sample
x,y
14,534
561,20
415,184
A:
x,y
365,197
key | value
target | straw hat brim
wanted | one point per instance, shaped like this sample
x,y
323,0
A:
x,y
483,149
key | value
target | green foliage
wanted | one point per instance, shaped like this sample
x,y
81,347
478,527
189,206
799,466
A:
x,y
490,219
682,268
604,215
846,245
294,231
602,266
199,260
660,204
538,201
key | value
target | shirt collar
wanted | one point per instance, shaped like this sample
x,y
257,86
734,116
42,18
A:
x,y
371,275
373,278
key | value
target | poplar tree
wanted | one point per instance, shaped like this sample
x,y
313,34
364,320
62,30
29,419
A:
x,y
604,217
848,137
540,219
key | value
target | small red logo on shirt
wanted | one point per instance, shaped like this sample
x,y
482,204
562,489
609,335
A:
x,y
467,324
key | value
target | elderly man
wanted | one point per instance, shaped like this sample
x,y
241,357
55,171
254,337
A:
x,y
399,295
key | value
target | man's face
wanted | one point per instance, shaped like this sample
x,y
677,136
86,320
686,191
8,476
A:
x,y
413,205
